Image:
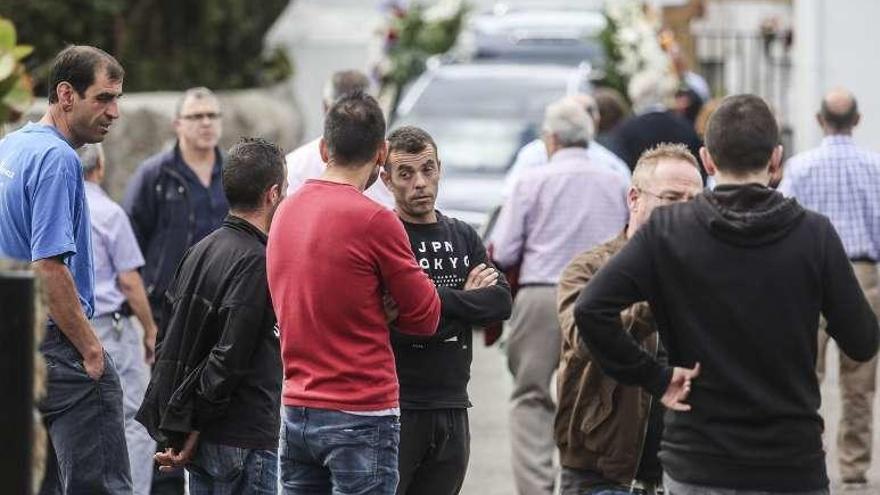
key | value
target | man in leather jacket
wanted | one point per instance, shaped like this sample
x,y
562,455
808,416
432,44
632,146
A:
x,y
608,434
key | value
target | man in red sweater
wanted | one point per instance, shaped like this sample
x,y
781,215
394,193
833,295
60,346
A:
x,y
339,267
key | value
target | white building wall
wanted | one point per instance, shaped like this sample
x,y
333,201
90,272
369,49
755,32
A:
x,y
837,43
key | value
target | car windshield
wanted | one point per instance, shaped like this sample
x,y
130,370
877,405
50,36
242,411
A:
x,y
490,97
480,123
476,145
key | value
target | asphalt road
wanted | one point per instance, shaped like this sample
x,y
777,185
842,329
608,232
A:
x,y
490,473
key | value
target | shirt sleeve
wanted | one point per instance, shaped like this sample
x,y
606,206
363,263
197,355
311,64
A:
x,y
624,280
124,251
478,306
416,297
509,236
53,203
244,312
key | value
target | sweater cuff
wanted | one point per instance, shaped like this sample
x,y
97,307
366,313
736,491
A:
x,y
660,381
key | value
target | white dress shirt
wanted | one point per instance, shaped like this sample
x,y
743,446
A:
x,y
305,163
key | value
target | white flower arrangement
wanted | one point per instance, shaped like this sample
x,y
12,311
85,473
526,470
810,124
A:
x,y
637,40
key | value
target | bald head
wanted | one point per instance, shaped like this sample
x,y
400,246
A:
x,y
839,112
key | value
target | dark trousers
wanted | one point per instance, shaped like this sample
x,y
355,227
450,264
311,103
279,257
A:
x,y
435,445
85,422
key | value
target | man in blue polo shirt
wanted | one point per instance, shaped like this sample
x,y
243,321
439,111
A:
x,y
44,220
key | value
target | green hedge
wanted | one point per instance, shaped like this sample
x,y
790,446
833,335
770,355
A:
x,y
163,44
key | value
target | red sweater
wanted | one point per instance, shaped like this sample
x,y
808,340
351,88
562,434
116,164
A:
x,y
332,253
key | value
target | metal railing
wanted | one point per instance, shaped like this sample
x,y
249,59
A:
x,y
757,62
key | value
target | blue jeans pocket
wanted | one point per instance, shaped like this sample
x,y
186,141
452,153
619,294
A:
x,y
222,463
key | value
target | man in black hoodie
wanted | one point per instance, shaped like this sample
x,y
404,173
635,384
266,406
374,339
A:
x,y
215,394
434,371
736,279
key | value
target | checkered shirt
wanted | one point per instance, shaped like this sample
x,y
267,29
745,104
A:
x,y
841,181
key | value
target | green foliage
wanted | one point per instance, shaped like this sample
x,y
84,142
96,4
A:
x,y
163,44
612,77
416,40
15,85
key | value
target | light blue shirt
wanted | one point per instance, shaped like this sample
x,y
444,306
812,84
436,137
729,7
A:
x,y
534,154
43,210
115,248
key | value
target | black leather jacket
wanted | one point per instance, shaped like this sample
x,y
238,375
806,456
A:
x,y
218,367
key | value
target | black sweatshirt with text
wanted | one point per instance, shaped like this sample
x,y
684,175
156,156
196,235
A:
x,y
434,371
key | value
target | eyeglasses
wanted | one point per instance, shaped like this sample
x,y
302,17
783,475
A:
x,y
668,198
195,117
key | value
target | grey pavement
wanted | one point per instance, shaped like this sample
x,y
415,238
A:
x,y
489,472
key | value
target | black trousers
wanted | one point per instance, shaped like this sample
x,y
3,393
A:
x,y
435,445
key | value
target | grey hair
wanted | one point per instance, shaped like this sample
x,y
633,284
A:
x,y
198,93
648,89
569,122
90,155
344,83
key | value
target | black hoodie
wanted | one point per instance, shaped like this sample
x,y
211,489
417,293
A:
x,y
736,279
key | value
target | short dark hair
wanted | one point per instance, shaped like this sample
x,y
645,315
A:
x,y
78,65
742,134
253,165
613,108
354,129
409,139
840,121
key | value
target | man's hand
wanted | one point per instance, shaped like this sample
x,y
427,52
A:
x,y
150,345
94,364
481,276
679,388
391,310
172,459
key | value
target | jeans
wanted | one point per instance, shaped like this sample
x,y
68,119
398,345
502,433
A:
x,y
84,419
224,470
332,452
124,342
434,451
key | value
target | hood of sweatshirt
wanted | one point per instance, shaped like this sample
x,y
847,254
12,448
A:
x,y
748,215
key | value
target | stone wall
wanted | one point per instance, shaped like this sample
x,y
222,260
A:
x,y
145,126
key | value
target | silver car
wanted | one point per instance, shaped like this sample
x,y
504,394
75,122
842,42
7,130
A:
x,y
480,115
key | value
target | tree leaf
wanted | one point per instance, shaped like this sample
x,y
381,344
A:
x,y
20,97
7,65
21,52
7,35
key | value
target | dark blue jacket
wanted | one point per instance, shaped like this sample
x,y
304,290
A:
x,y
158,201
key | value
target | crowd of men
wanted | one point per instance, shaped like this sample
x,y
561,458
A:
x,y
307,323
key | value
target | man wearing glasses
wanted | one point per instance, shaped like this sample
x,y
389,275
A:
x,y
609,434
176,198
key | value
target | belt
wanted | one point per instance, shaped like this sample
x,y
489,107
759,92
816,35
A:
x,y
536,284
863,259
115,318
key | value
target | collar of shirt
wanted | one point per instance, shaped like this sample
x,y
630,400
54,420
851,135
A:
x,y
572,153
188,172
243,225
837,140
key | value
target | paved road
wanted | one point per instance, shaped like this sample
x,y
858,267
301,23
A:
x,y
489,472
